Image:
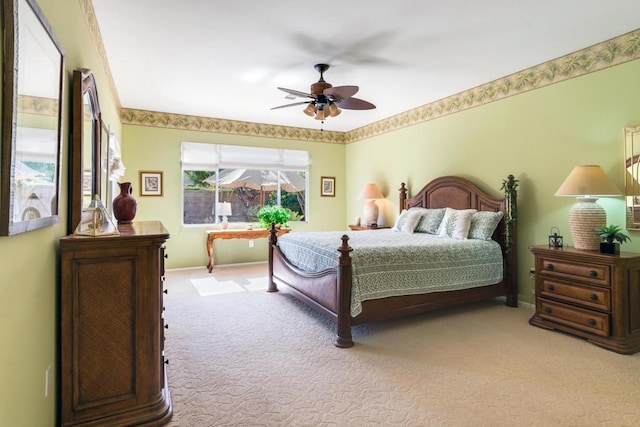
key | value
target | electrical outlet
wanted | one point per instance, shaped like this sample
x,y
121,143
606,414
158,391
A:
x,y
250,243
532,273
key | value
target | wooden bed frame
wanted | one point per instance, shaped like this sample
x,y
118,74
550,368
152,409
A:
x,y
329,291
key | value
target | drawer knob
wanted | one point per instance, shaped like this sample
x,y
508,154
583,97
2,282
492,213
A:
x,y
591,322
549,266
551,288
593,273
593,297
548,310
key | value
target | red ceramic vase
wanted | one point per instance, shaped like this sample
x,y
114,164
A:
x,y
124,205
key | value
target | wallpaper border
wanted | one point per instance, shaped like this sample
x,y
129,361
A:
x,y
603,55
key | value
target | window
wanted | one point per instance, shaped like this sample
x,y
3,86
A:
x,y
218,179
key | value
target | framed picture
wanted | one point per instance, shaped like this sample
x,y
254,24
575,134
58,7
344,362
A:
x,y
327,186
150,183
86,182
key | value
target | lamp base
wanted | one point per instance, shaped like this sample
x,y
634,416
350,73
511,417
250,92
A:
x,y
224,224
584,218
370,213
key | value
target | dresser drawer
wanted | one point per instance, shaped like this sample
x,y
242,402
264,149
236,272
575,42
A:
x,y
587,296
591,273
577,318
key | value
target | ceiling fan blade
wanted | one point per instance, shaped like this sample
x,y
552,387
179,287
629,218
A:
x,y
355,104
290,105
342,92
296,92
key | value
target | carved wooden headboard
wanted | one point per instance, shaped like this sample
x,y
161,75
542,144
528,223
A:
x,y
453,192
457,193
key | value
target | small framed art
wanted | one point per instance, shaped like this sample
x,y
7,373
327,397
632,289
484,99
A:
x,y
327,186
150,183
86,182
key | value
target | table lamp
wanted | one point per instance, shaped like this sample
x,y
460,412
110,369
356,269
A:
x,y
224,210
370,192
587,183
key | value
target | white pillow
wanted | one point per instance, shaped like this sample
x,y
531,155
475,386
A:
x,y
413,218
483,224
456,223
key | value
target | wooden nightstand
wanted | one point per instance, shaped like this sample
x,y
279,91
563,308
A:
x,y
364,227
589,294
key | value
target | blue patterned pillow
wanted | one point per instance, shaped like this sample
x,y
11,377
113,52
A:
x,y
430,221
401,220
483,224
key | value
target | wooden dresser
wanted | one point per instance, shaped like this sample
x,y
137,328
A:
x,y
112,328
589,294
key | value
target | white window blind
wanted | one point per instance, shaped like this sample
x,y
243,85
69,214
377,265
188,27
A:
x,y
200,156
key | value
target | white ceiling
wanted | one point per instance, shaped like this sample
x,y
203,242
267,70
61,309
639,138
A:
x,y
224,59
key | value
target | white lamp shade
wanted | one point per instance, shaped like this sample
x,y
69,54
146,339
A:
x,y
370,191
224,208
588,180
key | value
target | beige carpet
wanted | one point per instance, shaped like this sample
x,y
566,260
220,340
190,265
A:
x,y
252,358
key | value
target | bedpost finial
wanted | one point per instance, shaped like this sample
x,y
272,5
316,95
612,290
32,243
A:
x,y
403,195
344,249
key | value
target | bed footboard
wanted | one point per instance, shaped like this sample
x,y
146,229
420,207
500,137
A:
x,y
328,292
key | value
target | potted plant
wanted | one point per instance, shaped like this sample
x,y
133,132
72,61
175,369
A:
x,y
612,237
269,214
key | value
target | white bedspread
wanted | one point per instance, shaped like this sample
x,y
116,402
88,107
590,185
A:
x,y
388,263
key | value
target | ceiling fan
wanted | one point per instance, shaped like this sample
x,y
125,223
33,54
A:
x,y
326,100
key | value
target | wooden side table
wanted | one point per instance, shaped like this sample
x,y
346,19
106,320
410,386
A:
x,y
589,294
366,227
256,233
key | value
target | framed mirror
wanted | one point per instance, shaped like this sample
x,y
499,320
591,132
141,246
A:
x,y
632,176
31,123
85,170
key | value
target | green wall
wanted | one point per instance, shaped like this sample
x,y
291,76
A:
x,y
158,149
29,261
538,136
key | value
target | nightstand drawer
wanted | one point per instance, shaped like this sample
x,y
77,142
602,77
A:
x,y
591,273
588,296
574,317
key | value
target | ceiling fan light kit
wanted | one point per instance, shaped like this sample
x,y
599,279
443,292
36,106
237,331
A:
x,y
325,98
310,110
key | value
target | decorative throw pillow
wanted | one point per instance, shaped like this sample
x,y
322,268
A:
x,y
483,224
413,218
430,221
456,223
402,218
